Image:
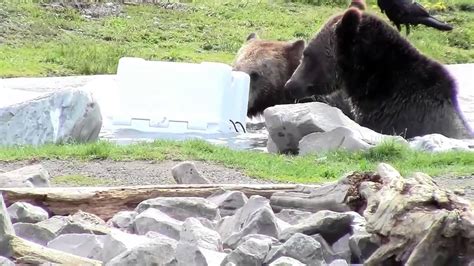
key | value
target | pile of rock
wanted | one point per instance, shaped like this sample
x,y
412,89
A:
x,y
317,127
374,218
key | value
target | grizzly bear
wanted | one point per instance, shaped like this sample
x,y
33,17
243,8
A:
x,y
394,89
270,64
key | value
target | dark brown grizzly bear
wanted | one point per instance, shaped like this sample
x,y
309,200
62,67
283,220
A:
x,y
270,64
394,88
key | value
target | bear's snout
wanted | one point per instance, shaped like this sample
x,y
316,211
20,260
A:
x,y
294,89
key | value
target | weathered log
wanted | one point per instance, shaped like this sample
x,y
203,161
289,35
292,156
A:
x,y
106,201
415,221
27,252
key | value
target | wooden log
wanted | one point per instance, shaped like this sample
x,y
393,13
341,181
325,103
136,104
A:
x,y
27,252
106,201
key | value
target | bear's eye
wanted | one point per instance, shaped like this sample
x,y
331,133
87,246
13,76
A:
x,y
254,76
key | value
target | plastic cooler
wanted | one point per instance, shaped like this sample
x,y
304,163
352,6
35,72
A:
x,y
172,97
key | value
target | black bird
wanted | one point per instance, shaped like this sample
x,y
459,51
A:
x,y
407,12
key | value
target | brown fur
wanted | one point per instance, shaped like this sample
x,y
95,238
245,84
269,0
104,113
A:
x,y
269,64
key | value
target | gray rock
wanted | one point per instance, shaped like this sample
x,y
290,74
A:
x,y
301,247
341,138
181,208
157,221
362,246
34,233
338,262
193,232
341,248
156,252
84,245
26,213
6,228
62,116
228,202
287,124
286,261
190,254
267,239
117,242
28,176
6,262
440,143
79,223
327,197
331,225
292,216
256,217
251,252
122,220
186,173
328,253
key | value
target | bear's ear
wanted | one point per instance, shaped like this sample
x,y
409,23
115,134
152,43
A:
x,y
296,48
349,24
252,36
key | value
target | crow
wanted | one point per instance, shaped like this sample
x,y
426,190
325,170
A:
x,y
407,12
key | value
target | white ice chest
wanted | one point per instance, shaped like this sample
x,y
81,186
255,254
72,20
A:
x,y
175,97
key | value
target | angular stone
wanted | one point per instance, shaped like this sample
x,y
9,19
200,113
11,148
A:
x,y
34,233
6,228
74,224
387,172
267,239
362,246
186,173
26,213
84,245
439,143
331,225
251,252
293,216
28,176
181,208
123,220
156,252
62,116
195,233
117,242
328,253
256,217
301,247
6,262
157,221
341,248
191,254
341,138
228,201
286,261
287,124
338,262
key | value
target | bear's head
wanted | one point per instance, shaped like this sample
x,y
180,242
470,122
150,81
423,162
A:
x,y
318,72
269,65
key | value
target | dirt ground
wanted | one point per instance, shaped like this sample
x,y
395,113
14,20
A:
x,y
154,173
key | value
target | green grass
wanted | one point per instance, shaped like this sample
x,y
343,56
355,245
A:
x,y
301,169
36,41
78,180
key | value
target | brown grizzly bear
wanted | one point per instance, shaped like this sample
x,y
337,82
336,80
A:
x,y
270,64
394,88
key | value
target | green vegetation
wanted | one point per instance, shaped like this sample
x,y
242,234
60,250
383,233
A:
x,y
301,169
78,180
41,40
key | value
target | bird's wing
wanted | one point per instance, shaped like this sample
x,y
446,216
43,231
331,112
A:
x,y
418,10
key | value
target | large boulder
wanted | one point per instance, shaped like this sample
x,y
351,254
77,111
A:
x,y
62,116
28,176
186,173
287,124
84,245
26,213
195,233
301,247
440,143
251,252
228,201
158,251
34,233
157,221
181,208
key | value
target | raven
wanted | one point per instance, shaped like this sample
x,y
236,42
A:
x,y
407,12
